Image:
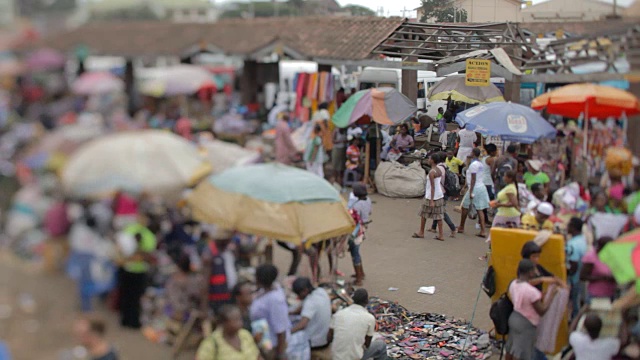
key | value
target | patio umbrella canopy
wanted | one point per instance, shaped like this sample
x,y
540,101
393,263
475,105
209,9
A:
x,y
153,161
622,256
386,106
178,80
45,59
454,88
512,122
59,144
223,155
594,100
272,200
95,83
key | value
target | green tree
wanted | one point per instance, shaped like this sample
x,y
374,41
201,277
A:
x,y
357,10
442,11
296,6
258,8
142,12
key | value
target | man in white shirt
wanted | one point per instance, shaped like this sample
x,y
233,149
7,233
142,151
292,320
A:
x,y
467,138
316,313
351,332
587,346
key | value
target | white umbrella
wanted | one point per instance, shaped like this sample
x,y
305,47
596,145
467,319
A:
x,y
177,80
223,155
153,161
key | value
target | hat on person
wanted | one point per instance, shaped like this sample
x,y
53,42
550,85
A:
x,y
535,164
545,208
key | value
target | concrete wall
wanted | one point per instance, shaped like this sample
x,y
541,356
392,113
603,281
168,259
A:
x,y
567,10
479,11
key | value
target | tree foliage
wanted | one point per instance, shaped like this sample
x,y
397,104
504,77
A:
x,y
258,8
442,11
357,10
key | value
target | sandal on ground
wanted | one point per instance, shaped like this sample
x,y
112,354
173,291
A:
x,y
438,238
416,236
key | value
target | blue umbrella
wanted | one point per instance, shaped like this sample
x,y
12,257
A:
x,y
512,122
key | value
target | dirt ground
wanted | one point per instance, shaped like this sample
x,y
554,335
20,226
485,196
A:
x,y
391,258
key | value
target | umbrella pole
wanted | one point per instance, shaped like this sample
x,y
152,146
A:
x,y
378,145
586,130
367,161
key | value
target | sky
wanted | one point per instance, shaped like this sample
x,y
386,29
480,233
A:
x,y
395,7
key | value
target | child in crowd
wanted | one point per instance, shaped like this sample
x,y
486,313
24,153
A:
x,y
455,165
576,249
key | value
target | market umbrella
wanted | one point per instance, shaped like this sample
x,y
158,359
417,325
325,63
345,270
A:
x,y
272,200
598,101
152,161
510,121
45,59
386,106
622,256
454,88
589,99
223,155
178,80
54,147
95,83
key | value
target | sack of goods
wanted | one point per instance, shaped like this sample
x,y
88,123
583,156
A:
x,y
618,161
398,181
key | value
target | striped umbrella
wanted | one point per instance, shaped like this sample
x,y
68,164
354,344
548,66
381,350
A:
x,y
386,106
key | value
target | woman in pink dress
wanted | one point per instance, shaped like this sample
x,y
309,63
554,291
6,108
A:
x,y
285,149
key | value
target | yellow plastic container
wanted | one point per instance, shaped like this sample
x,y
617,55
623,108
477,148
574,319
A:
x,y
506,245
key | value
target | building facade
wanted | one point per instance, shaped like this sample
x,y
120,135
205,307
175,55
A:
x,y
568,10
483,11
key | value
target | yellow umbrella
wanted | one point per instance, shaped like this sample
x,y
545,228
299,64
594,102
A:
x,y
454,88
272,200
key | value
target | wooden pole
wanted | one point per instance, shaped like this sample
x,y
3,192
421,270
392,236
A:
x,y
378,145
367,161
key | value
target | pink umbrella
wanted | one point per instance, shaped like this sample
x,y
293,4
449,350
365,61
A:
x,y
99,82
45,59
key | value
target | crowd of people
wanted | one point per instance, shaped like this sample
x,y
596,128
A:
x,y
123,247
510,188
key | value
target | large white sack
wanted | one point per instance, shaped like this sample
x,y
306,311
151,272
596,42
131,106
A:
x,y
396,180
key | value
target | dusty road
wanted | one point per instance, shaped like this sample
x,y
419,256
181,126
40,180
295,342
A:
x,y
391,258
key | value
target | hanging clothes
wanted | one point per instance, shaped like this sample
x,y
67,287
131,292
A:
x,y
547,330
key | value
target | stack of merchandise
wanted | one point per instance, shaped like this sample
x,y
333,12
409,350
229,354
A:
x,y
428,336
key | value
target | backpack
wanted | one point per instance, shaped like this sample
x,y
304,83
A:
x,y
489,282
500,312
450,184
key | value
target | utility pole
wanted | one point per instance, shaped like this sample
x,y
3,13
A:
x,y
615,8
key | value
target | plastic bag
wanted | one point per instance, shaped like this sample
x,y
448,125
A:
x,y
473,213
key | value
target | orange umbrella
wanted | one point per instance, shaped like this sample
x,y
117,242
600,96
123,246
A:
x,y
593,100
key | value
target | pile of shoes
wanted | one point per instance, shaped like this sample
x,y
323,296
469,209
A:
x,y
428,336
